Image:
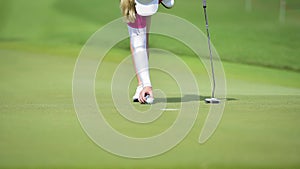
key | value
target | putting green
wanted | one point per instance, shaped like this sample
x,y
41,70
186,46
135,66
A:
x,y
39,43
39,127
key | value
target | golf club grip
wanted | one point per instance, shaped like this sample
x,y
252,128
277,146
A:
x,y
204,3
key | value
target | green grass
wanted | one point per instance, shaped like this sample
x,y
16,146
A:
x,y
239,36
39,45
39,128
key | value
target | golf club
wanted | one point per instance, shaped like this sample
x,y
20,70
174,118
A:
x,y
211,100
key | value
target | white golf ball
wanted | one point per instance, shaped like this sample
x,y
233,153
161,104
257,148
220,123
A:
x,y
149,99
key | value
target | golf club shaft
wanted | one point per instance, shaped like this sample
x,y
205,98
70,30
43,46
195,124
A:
x,y
210,52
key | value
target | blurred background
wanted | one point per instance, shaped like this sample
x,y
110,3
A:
x,y
261,32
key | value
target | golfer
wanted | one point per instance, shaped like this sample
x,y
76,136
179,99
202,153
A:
x,y
137,14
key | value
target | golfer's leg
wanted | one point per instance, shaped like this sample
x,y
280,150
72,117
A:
x,y
139,47
138,41
148,25
138,78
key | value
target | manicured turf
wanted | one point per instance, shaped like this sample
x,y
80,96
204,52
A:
x,y
39,45
40,129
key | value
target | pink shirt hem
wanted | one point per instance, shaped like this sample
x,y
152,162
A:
x,y
140,22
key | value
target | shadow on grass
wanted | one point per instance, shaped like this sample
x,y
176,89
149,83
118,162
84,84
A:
x,y
187,98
